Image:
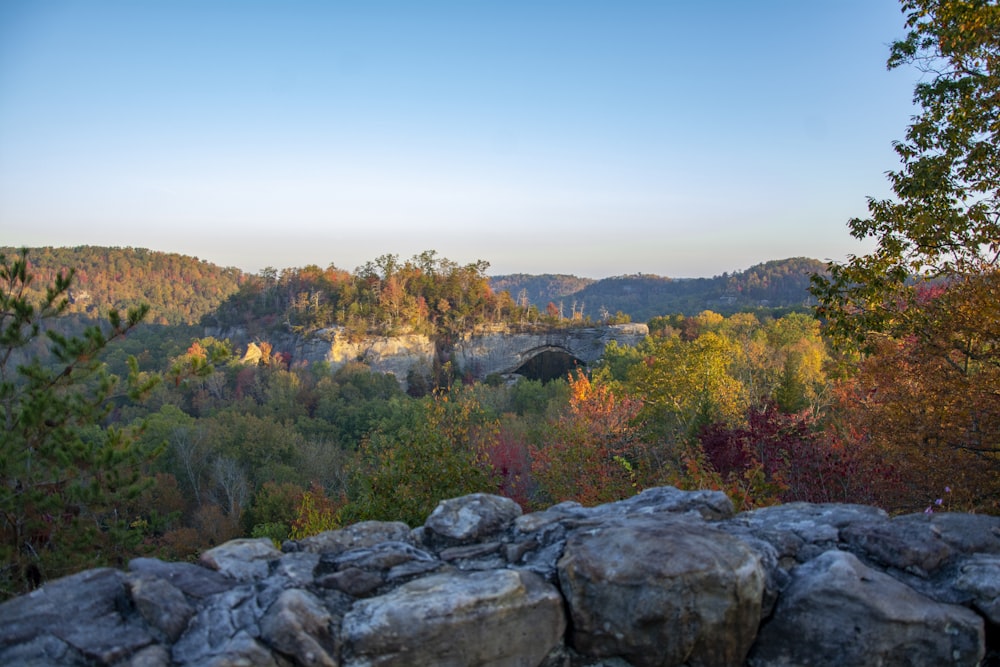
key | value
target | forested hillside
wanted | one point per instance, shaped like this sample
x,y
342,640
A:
x,y
424,293
539,289
179,289
780,284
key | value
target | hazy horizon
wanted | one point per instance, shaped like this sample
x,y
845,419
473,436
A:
x,y
568,138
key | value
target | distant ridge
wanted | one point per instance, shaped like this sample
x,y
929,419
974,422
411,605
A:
x,y
178,288
774,285
182,289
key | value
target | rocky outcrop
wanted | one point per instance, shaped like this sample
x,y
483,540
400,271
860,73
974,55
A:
x,y
664,578
479,354
484,354
397,355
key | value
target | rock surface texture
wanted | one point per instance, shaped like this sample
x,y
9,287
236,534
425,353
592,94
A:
x,y
503,352
667,577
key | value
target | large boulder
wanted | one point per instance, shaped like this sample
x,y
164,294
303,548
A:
x,y
75,620
474,517
660,593
363,534
461,619
839,612
979,578
801,531
194,581
227,625
244,559
164,608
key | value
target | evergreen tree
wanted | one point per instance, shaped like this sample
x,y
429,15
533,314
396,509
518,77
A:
x,y
65,477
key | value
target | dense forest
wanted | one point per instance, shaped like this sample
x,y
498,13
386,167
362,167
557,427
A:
x,y
179,289
430,294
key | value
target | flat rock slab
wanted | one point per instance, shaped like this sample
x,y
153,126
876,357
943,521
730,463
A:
x,y
79,615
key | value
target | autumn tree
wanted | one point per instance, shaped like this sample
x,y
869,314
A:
x,y
779,457
595,447
945,220
687,384
929,401
924,301
65,477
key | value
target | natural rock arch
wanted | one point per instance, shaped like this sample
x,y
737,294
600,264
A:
x,y
548,362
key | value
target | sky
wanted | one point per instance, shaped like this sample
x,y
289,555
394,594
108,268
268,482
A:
x,y
590,137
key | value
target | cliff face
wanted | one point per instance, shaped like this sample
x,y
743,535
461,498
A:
x,y
664,578
478,354
383,354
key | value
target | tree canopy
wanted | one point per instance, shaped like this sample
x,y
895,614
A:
x,y
944,223
922,307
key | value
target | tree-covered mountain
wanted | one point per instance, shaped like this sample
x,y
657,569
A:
x,y
179,289
539,289
779,284
424,293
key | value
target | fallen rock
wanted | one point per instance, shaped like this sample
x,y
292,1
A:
x,y
297,625
243,559
192,580
228,625
162,605
364,534
979,577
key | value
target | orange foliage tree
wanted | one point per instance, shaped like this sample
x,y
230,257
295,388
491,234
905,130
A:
x,y
930,401
596,448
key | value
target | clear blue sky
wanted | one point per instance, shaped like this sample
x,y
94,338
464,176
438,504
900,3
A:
x,y
546,136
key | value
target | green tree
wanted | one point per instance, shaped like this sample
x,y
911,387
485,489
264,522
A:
x,y
65,477
436,448
945,220
688,384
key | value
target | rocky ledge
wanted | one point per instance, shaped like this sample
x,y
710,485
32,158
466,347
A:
x,y
664,578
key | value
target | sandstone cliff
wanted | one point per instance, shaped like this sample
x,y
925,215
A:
x,y
478,354
664,578
383,354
